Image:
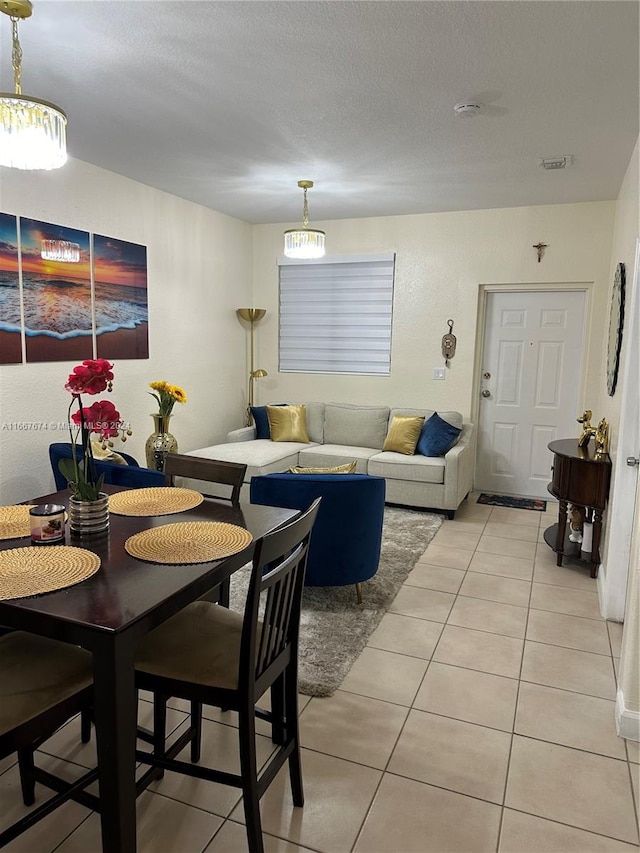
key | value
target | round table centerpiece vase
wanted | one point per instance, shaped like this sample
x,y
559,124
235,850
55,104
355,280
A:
x,y
159,443
89,517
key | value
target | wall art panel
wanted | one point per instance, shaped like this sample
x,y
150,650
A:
x,y
10,318
56,281
121,308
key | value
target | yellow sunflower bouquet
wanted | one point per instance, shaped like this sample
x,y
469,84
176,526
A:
x,y
167,396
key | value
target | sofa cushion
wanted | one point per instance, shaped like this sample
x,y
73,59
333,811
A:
x,y
260,419
397,466
261,456
403,435
358,426
437,436
288,423
323,455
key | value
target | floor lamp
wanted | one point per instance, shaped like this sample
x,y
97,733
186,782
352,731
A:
x,y
252,316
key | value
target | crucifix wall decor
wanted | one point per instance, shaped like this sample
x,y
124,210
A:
x,y
540,247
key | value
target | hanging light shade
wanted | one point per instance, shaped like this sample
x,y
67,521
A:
x,y
304,243
32,131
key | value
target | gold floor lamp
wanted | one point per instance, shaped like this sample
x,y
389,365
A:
x,y
252,316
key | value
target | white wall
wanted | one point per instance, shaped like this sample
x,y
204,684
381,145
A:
x,y
442,258
620,543
199,272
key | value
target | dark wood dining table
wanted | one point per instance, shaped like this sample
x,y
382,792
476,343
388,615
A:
x,y
109,612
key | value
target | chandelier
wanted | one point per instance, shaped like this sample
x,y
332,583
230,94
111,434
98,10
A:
x,y
304,243
32,132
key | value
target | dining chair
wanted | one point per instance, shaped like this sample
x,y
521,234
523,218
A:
x,y
228,474
43,683
209,655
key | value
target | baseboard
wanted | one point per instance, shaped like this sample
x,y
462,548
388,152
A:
x,y
627,722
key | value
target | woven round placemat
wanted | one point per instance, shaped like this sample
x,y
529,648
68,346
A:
x,y
156,500
188,542
14,521
44,568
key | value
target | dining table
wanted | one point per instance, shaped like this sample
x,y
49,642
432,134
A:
x,y
108,613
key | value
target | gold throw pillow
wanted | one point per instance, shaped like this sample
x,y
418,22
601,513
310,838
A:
x,y
288,423
349,468
403,434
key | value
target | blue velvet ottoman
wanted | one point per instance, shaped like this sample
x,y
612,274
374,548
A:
x,y
347,536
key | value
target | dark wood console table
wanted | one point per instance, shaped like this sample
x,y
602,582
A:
x,y
577,478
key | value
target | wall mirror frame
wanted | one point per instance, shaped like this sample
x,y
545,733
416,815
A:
x,y
616,323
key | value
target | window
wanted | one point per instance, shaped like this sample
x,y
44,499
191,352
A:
x,y
335,315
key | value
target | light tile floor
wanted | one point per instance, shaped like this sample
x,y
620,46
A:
x,y
480,717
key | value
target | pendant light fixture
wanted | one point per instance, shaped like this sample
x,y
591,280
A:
x,y
32,131
304,243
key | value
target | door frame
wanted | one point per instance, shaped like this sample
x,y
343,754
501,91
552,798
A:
x,y
613,580
484,289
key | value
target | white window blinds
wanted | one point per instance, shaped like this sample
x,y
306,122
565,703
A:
x,y
335,315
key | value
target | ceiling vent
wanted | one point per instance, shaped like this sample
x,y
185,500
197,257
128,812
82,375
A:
x,y
466,109
556,162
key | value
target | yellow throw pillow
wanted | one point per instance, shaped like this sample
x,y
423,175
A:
x,y
403,434
288,423
106,454
349,468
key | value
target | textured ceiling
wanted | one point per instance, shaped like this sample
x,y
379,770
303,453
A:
x,y
229,104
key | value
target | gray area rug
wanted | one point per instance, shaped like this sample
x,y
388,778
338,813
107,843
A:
x,y
334,628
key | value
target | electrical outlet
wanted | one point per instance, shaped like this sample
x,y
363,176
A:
x,y
439,373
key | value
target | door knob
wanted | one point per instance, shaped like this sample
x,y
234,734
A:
x,y
632,461
486,393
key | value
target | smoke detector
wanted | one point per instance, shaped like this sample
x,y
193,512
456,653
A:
x,y
466,109
551,163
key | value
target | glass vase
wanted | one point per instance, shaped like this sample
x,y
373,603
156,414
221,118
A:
x,y
159,443
89,517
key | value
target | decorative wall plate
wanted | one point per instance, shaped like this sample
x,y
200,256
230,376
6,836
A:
x,y
616,323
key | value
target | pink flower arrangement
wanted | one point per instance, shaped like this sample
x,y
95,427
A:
x,y
102,418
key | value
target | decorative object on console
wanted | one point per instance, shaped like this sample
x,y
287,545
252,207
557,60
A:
x,y
88,506
600,434
575,516
161,441
449,344
252,316
304,243
616,323
32,132
587,429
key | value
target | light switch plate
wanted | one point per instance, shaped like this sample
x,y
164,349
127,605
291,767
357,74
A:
x,y
439,373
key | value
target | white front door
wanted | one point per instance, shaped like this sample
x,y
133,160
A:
x,y
529,389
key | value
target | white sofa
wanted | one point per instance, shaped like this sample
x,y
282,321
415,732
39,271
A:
x,y
340,433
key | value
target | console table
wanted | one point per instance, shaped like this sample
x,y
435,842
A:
x,y
577,477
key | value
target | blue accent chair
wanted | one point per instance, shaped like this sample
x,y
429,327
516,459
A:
x,y
347,536
131,474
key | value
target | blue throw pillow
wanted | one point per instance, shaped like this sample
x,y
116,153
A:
x,y
437,437
259,414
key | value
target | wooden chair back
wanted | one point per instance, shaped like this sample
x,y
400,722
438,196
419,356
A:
x,y
270,632
209,470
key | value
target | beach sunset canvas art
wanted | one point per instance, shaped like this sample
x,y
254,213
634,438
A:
x,y
56,293
121,308
10,322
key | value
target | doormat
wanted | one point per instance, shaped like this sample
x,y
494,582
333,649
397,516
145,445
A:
x,y
515,503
